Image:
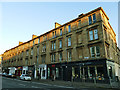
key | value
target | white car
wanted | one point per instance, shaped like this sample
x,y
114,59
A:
x,y
25,77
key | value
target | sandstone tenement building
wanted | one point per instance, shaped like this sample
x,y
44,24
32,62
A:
x,y
84,47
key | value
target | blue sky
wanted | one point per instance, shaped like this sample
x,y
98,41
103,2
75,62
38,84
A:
x,y
22,19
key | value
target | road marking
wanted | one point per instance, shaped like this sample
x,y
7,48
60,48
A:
x,y
62,86
42,84
34,87
22,84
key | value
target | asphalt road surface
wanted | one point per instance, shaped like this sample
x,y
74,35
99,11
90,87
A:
x,y
16,84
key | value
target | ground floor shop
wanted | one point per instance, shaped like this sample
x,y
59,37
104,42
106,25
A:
x,y
42,71
101,70
18,71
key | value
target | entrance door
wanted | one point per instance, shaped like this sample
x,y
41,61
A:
x,y
40,73
64,73
69,73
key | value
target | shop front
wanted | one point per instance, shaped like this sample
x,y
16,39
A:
x,y
42,73
25,70
79,71
12,70
31,71
18,71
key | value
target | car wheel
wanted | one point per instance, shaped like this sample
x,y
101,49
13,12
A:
x,y
24,79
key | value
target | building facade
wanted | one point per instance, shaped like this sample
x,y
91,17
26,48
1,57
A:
x,y
85,47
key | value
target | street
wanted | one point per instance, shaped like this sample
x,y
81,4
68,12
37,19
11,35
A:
x,y
13,84
16,83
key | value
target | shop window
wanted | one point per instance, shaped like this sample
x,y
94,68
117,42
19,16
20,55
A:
x,y
92,72
23,71
100,73
43,73
84,72
48,72
110,72
57,72
76,72
73,71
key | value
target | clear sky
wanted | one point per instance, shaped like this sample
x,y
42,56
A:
x,y
22,19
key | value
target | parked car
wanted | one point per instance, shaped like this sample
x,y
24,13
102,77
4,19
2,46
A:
x,y
4,74
11,75
25,77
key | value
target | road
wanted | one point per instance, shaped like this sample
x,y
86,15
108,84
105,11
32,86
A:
x,y
13,84
10,83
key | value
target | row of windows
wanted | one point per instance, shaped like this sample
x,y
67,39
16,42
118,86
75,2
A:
x,y
93,35
94,52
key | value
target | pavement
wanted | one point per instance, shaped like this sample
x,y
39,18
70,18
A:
x,y
113,85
